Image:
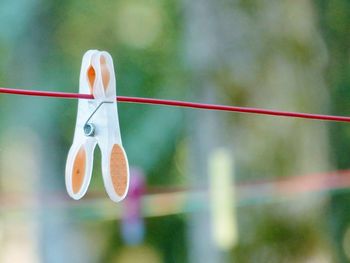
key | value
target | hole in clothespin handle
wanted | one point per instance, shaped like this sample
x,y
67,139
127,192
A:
x,y
104,72
91,74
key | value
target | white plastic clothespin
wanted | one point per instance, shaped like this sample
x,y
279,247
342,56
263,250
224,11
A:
x,y
97,123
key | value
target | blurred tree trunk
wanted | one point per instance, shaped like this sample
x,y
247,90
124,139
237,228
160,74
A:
x,y
335,24
205,132
204,138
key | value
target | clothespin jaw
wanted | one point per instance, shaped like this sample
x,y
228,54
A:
x,y
97,123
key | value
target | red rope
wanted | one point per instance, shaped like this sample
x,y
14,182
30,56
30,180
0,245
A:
x,y
180,104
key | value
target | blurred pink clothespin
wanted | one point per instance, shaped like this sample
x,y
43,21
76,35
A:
x,y
132,225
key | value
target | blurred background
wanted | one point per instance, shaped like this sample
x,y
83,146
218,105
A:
x,y
206,186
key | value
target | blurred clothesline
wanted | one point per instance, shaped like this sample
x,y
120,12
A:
x,y
163,201
181,104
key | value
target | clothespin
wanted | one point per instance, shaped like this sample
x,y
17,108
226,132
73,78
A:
x,y
97,123
222,199
132,224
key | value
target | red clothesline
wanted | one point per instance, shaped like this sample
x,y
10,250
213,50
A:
x,y
181,104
